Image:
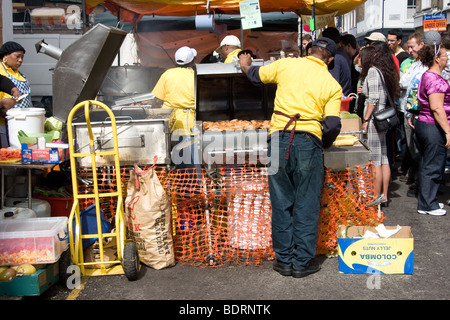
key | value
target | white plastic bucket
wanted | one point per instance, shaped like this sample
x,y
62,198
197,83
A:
x,y
16,213
30,120
41,207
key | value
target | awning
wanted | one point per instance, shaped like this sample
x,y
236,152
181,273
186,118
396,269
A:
x,y
134,10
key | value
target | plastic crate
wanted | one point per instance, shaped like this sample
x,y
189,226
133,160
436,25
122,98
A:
x,y
32,240
31,285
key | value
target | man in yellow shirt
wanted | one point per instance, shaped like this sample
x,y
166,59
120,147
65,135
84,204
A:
x,y
229,48
307,106
175,89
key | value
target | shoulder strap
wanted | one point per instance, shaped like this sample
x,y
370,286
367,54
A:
x,y
385,89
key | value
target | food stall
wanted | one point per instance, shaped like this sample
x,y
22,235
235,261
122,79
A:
x,y
222,215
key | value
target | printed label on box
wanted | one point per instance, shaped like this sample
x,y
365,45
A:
x,y
390,255
53,155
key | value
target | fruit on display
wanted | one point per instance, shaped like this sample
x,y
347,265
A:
x,y
25,269
345,140
8,274
6,154
348,115
19,251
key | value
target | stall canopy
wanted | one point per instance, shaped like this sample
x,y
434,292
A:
x,y
157,45
134,10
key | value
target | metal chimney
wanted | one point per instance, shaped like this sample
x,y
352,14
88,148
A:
x,y
48,49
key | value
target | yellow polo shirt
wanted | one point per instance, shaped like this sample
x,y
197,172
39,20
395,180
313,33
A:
x,y
305,86
232,54
176,88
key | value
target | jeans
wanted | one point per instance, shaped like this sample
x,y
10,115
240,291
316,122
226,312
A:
x,y
295,190
186,157
431,144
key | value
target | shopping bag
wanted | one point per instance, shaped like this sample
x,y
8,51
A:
x,y
148,218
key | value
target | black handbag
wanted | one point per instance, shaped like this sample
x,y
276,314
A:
x,y
386,118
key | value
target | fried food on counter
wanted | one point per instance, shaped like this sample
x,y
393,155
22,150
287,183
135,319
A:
x,y
235,124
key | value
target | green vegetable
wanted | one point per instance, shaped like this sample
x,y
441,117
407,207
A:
x,y
22,134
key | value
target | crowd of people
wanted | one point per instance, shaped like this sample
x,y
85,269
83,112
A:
x,y
419,85
415,74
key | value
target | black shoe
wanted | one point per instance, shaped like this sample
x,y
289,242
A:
x,y
384,204
284,271
311,268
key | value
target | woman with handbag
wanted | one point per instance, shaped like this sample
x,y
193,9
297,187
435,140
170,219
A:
x,y
381,85
432,127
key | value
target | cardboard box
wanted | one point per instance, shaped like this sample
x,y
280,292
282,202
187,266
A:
x,y
394,255
350,125
47,155
33,284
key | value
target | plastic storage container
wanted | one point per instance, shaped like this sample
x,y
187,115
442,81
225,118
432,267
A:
x,y
41,207
30,120
33,240
9,213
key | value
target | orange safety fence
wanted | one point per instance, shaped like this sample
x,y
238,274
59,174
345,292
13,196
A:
x,y
223,215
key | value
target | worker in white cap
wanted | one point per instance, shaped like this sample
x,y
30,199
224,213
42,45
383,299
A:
x,y
175,89
229,48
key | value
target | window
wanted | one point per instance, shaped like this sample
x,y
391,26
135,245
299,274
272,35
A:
x,y
426,4
411,9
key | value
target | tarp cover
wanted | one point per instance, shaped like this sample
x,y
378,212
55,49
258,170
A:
x,y
157,49
133,10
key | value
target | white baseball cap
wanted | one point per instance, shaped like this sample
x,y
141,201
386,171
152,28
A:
x,y
184,55
376,36
230,40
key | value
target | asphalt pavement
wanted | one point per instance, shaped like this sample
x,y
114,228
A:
x,y
184,284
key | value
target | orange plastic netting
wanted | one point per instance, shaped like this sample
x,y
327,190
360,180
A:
x,y
223,215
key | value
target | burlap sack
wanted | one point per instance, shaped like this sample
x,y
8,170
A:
x,y
148,218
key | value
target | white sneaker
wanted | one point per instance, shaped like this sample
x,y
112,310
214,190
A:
x,y
435,212
441,205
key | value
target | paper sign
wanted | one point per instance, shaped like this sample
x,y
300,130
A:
x,y
250,14
321,21
437,22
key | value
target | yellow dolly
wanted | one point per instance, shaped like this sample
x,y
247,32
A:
x,y
127,254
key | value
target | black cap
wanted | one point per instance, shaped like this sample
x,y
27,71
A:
x,y
9,47
330,46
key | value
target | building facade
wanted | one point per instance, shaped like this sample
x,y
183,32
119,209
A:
x,y
408,15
